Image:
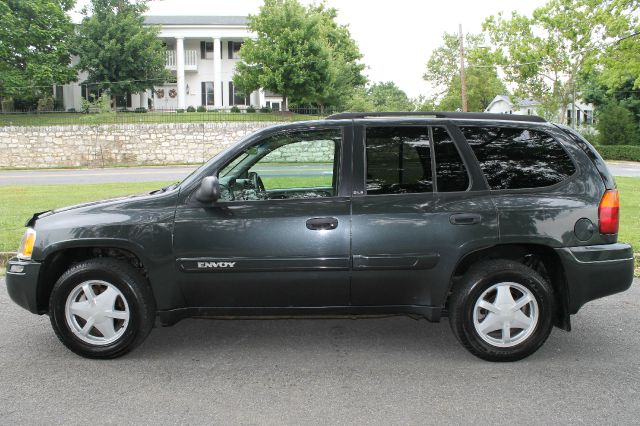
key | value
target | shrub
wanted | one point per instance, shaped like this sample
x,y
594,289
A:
x,y
202,108
266,110
617,126
140,109
589,134
235,109
191,109
180,110
619,152
71,110
45,103
251,109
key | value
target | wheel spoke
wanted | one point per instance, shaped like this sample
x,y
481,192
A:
x,y
506,332
522,302
123,315
106,328
81,309
490,323
88,292
520,320
504,297
107,299
88,326
488,306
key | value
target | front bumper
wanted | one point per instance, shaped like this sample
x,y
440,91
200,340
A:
x,y
23,286
593,272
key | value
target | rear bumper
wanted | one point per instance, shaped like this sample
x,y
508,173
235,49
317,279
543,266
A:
x,y
593,272
22,283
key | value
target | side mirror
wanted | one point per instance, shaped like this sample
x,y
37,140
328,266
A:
x,y
209,190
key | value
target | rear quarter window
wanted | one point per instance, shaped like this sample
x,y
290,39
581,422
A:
x,y
518,158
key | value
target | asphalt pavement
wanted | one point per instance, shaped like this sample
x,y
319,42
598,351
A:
x,y
139,174
369,371
177,173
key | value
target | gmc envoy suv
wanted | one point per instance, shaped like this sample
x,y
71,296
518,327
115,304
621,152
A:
x,y
505,224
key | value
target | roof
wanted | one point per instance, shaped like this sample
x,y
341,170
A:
x,y
195,20
437,114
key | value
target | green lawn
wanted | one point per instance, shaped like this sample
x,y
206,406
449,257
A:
x,y
67,118
19,202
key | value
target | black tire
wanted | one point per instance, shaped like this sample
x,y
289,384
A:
x,y
131,284
481,277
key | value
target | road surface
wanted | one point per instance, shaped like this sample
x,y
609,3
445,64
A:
x,y
369,371
177,173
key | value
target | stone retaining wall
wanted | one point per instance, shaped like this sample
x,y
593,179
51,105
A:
x,y
113,145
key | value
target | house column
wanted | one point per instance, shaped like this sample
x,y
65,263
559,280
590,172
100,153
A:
x,y
180,72
217,72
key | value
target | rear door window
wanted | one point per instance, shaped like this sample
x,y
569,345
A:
x,y
451,174
517,158
398,160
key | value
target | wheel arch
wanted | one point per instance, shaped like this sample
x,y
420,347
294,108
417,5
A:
x,y
540,258
59,257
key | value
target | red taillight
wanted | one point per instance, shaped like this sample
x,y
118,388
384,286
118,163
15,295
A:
x,y
609,212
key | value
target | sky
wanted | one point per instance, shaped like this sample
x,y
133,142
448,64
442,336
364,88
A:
x,y
395,38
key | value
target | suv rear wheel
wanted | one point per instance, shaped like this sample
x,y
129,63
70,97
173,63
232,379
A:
x,y
102,308
502,310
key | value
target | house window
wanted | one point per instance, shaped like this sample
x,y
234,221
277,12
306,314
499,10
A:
x,y
236,98
233,48
206,88
206,50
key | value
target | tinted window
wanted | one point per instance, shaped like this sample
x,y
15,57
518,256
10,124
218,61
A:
x,y
513,158
398,160
451,174
288,165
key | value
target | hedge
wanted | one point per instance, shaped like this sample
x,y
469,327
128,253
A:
x,y
619,152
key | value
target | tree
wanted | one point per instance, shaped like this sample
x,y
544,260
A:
x,y
544,54
617,126
388,97
300,53
34,46
482,81
119,52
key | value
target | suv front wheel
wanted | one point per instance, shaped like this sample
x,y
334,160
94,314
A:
x,y
102,308
502,310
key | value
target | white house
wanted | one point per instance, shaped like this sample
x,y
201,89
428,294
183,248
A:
x,y
502,104
202,53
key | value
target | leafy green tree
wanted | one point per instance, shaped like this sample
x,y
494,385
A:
x,y
482,81
300,53
119,52
34,46
617,126
388,97
545,53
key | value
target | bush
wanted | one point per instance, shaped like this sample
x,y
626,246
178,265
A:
x,y
235,109
589,134
617,126
251,109
71,110
45,103
202,108
619,152
191,109
180,110
140,110
266,110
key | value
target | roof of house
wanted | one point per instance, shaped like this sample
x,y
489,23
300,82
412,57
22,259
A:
x,y
522,103
195,20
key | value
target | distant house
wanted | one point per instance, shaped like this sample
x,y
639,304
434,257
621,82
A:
x,y
202,53
502,104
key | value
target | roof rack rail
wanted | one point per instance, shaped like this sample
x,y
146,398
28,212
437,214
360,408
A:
x,y
437,114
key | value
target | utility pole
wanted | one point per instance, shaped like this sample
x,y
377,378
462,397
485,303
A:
x,y
463,83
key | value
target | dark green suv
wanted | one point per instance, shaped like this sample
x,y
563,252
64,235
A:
x,y
506,224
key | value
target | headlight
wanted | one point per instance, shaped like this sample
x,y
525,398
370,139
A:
x,y
27,243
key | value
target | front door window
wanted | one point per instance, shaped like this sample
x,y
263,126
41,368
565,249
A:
x,y
287,165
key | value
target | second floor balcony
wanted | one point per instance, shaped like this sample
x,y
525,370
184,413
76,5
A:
x,y
190,60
